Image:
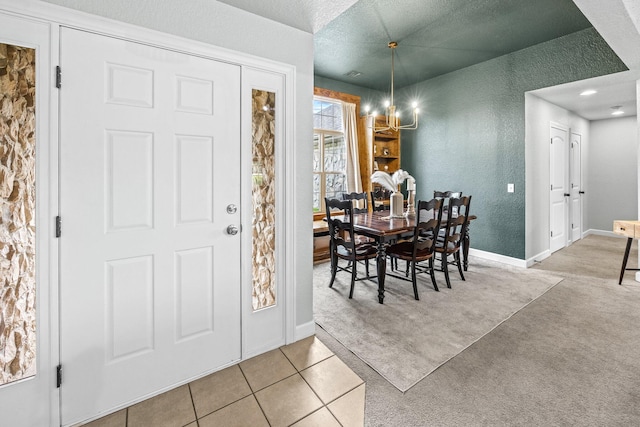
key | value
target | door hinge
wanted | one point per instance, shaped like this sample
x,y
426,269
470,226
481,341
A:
x,y
58,226
552,234
551,187
58,376
58,77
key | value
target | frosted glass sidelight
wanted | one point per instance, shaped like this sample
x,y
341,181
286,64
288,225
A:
x,y
263,199
18,211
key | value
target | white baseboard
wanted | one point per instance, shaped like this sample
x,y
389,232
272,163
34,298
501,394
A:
x,y
516,262
605,233
305,330
537,258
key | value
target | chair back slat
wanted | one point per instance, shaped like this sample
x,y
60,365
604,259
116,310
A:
x,y
446,196
378,207
359,201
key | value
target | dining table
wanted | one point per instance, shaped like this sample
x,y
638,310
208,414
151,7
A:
x,y
384,229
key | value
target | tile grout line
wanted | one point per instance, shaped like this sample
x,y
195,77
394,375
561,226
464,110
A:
x,y
309,385
314,392
254,395
193,405
312,389
363,408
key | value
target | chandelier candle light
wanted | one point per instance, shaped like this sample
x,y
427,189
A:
x,y
392,183
392,115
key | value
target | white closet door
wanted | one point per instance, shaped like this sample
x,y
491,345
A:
x,y
559,189
576,187
150,277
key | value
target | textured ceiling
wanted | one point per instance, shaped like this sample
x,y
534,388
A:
x,y
439,36
305,15
435,36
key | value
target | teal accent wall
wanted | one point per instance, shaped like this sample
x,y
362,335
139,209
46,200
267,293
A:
x,y
472,132
471,136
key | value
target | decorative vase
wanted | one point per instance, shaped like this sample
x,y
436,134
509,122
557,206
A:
x,y
397,204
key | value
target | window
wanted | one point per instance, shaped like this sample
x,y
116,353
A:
x,y
329,153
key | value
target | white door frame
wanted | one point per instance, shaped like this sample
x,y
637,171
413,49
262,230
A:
x,y
25,31
56,16
264,329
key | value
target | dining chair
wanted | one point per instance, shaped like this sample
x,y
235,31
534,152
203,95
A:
x,y
448,244
343,243
421,247
359,200
360,203
378,207
445,196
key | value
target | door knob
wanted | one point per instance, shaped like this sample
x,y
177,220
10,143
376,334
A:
x,y
232,230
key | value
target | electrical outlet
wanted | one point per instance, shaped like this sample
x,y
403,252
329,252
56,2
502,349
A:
x,y
510,188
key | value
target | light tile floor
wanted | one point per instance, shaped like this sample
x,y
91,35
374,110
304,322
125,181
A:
x,y
303,385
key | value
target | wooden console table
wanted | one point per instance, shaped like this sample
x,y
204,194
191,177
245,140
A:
x,y
630,229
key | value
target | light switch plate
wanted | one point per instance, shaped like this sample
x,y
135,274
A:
x,y
510,188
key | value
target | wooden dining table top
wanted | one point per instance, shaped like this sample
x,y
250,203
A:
x,y
380,223
377,223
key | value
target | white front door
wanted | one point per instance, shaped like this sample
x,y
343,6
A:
x,y
150,277
558,189
28,395
576,187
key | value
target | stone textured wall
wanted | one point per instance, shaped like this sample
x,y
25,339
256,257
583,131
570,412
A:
x,y
264,199
17,213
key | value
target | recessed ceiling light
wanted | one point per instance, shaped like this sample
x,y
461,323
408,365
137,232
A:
x,y
588,92
617,110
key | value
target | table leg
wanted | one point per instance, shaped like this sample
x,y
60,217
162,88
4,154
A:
x,y
382,270
624,260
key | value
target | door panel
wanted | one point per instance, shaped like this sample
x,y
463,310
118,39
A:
x,y
576,186
27,194
264,296
558,168
150,280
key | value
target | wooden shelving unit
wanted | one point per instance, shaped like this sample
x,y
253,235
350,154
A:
x,y
378,150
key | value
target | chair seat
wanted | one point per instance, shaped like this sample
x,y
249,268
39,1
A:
x,y
451,247
404,250
363,251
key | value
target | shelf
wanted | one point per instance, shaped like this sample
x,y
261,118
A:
x,y
378,150
385,136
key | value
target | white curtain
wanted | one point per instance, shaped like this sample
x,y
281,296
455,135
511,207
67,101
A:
x,y
350,128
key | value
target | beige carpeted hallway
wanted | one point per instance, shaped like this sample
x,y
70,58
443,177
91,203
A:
x,y
571,357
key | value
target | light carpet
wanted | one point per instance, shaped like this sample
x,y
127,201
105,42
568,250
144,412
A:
x,y
405,340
